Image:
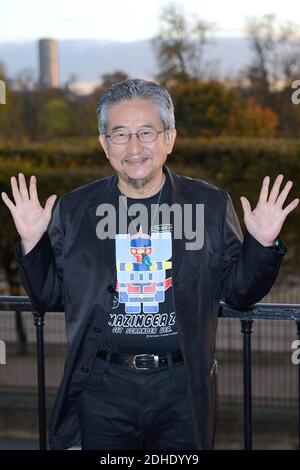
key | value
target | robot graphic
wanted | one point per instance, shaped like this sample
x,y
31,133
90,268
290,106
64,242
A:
x,y
142,261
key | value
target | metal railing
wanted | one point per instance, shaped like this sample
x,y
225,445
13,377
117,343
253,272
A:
x,y
266,311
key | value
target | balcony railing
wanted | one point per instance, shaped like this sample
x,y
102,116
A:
x,y
247,317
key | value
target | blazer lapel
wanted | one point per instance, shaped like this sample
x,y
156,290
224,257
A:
x,y
176,198
107,195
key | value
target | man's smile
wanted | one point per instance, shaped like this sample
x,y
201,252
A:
x,y
136,161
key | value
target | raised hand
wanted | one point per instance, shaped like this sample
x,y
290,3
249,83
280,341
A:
x,y
31,219
265,221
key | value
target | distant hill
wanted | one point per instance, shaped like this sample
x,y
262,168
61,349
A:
x,y
89,59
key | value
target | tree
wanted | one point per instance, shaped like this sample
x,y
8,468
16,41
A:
x,y
55,118
109,79
211,109
179,47
276,56
249,119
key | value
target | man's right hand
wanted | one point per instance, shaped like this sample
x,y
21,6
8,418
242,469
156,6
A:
x,y
31,219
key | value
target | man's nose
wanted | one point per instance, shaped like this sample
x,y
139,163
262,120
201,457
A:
x,y
133,144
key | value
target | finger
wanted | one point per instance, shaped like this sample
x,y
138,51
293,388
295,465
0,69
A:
x,y
15,189
8,202
263,196
290,207
284,193
32,189
23,187
246,206
50,203
275,190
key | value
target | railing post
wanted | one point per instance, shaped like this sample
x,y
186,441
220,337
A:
x,y
246,328
298,333
39,324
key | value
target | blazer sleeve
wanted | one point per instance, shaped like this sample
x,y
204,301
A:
x,y
248,269
41,269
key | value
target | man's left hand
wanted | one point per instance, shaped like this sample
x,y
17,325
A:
x,y
265,221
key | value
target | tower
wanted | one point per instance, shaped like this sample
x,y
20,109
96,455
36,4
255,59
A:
x,y
48,61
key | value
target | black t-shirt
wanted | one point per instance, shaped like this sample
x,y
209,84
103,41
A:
x,y
143,318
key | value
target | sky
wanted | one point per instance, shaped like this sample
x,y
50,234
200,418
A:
x,y
126,20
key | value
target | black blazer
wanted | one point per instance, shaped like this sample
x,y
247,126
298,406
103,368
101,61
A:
x,y
71,267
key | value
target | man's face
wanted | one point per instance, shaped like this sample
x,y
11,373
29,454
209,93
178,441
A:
x,y
136,161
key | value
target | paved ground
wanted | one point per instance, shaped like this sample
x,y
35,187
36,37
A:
x,y
273,428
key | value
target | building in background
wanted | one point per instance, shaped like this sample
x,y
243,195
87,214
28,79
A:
x,y
48,64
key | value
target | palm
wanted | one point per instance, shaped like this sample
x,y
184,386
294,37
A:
x,y
265,221
30,218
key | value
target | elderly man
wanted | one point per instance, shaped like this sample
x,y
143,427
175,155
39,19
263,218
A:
x,y
141,300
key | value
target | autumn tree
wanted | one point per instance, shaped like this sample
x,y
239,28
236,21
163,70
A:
x,y
212,109
179,46
276,55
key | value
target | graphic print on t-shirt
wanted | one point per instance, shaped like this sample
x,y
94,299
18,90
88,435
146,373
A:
x,y
142,262
142,318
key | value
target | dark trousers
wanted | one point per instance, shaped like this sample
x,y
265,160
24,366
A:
x,y
122,408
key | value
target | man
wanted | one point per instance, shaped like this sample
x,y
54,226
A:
x,y
142,302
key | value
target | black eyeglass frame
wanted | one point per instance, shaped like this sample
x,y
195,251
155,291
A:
x,y
137,135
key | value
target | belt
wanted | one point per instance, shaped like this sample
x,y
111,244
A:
x,y
142,361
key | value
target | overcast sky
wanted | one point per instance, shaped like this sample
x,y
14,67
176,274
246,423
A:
x,y
125,20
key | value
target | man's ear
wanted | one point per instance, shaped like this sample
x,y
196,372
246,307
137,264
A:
x,y
103,142
171,136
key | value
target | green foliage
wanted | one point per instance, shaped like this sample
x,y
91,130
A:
x,y
55,118
69,153
202,108
45,115
210,109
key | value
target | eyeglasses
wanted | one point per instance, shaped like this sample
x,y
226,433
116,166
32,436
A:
x,y
145,136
